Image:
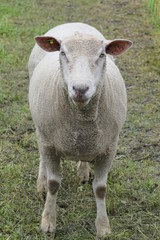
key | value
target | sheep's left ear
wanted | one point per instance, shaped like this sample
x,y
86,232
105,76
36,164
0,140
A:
x,y
48,44
118,46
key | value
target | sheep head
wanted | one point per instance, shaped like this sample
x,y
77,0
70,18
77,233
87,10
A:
x,y
83,60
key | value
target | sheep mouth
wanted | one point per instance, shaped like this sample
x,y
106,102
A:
x,y
80,102
80,99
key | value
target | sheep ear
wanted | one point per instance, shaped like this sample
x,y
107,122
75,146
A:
x,y
118,47
48,44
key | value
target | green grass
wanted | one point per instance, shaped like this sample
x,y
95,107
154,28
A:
x,y
133,201
155,7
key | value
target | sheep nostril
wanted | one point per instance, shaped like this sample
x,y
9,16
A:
x,y
80,90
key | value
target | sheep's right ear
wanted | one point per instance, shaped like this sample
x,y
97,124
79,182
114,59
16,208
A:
x,y
48,44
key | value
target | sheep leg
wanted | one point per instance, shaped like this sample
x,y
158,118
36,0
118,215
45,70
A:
x,y
52,162
102,166
83,171
42,180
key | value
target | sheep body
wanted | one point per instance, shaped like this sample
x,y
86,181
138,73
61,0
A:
x,y
77,135
78,103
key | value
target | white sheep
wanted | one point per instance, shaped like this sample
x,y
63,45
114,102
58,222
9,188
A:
x,y
78,103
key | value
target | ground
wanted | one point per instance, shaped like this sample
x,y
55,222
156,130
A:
x,y
133,202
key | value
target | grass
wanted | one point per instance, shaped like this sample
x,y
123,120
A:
x,y
155,7
133,201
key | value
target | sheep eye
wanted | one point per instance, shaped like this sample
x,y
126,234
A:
x,y
63,53
101,55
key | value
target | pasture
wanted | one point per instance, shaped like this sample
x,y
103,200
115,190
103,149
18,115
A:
x,y
133,196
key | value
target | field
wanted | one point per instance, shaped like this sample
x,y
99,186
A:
x,y
133,197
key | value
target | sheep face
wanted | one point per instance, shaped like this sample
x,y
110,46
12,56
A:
x,y
82,64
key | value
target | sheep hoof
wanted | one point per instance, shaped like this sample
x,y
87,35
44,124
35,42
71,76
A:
x,y
103,228
48,227
104,233
83,178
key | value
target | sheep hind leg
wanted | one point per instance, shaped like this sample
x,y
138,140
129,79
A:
x,y
83,171
42,180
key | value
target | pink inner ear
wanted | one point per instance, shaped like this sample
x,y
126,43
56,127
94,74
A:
x,y
47,43
118,47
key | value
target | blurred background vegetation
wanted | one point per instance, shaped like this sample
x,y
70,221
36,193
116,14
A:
x,y
155,8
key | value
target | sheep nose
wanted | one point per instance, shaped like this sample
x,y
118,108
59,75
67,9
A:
x,y
80,90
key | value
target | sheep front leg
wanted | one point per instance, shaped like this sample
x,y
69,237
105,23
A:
x,y
102,167
52,163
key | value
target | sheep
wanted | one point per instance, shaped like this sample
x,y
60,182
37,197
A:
x,y
78,103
